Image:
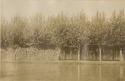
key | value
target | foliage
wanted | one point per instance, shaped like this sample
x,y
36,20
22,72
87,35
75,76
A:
x,y
61,31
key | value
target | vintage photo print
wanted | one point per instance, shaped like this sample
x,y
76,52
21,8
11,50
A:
x,y
62,40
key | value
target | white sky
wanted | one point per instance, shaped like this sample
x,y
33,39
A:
x,y
51,7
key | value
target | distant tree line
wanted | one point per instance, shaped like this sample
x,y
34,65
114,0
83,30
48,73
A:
x,y
61,31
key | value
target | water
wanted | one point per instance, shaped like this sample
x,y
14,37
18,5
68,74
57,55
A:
x,y
61,71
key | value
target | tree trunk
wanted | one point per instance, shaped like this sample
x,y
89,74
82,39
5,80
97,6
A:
x,y
121,55
79,54
70,55
100,54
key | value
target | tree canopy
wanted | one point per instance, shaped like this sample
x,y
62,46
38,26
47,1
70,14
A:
x,y
61,31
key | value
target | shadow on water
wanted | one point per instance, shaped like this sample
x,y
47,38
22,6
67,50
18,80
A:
x,y
61,71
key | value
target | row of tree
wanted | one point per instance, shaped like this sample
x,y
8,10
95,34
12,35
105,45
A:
x,y
63,31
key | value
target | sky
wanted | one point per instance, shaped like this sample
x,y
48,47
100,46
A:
x,y
10,8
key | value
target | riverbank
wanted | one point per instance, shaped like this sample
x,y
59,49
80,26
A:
x,y
31,55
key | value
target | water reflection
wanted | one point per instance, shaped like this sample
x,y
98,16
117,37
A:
x,y
61,71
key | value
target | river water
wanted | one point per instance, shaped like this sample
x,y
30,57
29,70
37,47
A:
x,y
61,71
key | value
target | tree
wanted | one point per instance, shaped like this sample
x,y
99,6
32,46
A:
x,y
117,28
4,34
98,32
41,32
98,29
18,25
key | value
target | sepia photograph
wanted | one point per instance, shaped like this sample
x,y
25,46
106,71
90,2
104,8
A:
x,y
62,40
